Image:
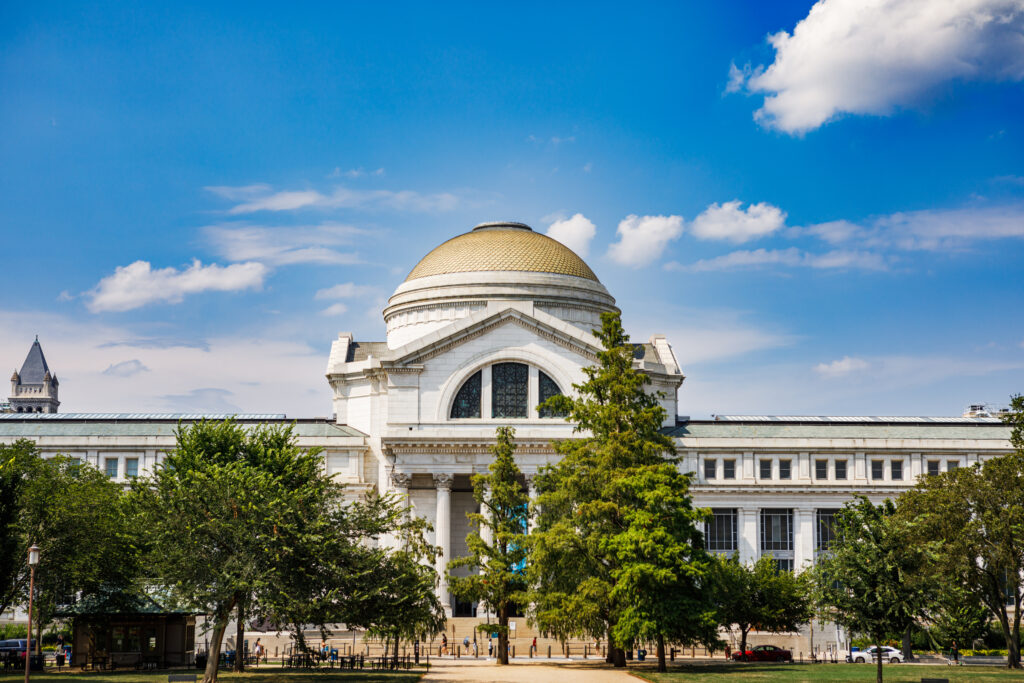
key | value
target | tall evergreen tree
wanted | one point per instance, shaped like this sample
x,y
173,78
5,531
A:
x,y
617,552
498,575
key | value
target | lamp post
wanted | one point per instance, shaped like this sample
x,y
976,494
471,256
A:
x,y
33,560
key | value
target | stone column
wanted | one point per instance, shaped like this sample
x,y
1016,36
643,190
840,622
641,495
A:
x,y
487,536
443,482
747,523
803,539
531,492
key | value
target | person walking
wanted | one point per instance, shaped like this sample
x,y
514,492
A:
x,y
533,647
257,651
490,647
444,643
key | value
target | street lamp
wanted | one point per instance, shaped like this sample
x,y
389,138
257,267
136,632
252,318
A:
x,y
33,560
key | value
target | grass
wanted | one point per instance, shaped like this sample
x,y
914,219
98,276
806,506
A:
x,y
271,675
793,673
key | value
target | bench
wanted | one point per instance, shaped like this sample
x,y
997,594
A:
x,y
181,678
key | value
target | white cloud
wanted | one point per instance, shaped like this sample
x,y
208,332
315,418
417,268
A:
x,y
575,233
285,246
937,229
642,239
335,309
842,367
729,221
137,284
256,198
257,371
346,290
126,368
791,257
857,57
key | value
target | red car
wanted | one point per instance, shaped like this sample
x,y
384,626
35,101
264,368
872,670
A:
x,y
764,653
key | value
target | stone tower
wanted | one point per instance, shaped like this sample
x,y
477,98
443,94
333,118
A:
x,y
34,389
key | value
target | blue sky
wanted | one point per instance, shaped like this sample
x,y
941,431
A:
x,y
824,211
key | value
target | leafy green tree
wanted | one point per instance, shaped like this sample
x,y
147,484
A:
x,y
497,574
593,570
975,517
760,596
867,579
17,462
245,522
956,615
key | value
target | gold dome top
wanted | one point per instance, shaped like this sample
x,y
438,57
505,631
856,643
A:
x,y
502,246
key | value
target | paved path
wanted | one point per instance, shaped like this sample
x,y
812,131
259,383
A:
x,y
443,671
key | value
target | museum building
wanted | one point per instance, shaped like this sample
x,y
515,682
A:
x,y
484,328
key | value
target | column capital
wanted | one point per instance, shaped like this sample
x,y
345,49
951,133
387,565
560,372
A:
x,y
400,479
443,482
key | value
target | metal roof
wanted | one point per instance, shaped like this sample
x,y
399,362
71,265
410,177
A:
x,y
34,369
134,417
866,419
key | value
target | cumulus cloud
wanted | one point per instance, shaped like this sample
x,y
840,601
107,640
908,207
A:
x,y
285,246
255,198
126,368
335,309
856,57
575,233
842,367
642,239
346,290
138,284
730,221
791,257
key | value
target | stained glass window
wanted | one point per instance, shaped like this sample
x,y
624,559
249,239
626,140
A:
x,y
509,389
467,401
548,388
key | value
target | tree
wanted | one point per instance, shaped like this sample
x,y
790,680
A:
x,y
867,579
17,462
956,615
975,516
497,573
616,531
760,596
247,522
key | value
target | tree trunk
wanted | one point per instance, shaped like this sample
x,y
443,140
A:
x,y
213,655
878,654
39,632
609,653
908,645
662,666
1013,656
239,638
503,635
620,658
743,642
1012,652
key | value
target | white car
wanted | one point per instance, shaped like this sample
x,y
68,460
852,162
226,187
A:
x,y
889,654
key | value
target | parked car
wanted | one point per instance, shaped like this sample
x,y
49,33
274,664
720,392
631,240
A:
x,y
14,647
764,653
889,654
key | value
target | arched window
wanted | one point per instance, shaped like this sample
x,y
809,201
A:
x,y
546,390
510,390
467,401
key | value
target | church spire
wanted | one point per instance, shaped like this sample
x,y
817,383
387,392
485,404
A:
x,y
34,389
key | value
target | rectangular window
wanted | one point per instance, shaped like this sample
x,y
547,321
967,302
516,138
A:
x,y
720,531
933,468
784,564
824,528
766,469
110,467
710,467
821,469
877,470
728,469
785,469
896,470
840,469
776,531
75,462
131,468
952,465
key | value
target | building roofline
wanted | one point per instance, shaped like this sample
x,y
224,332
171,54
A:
x,y
843,420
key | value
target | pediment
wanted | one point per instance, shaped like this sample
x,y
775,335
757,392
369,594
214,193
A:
x,y
543,325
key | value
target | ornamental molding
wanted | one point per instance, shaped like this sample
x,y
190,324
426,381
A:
x,y
443,482
400,480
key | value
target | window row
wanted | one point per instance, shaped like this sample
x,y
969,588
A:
x,y
775,532
782,468
509,393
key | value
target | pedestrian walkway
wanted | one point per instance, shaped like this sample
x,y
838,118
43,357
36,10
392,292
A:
x,y
522,671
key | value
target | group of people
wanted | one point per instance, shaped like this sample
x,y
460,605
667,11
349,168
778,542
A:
x,y
443,648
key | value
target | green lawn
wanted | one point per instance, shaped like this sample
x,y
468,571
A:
x,y
791,673
271,675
